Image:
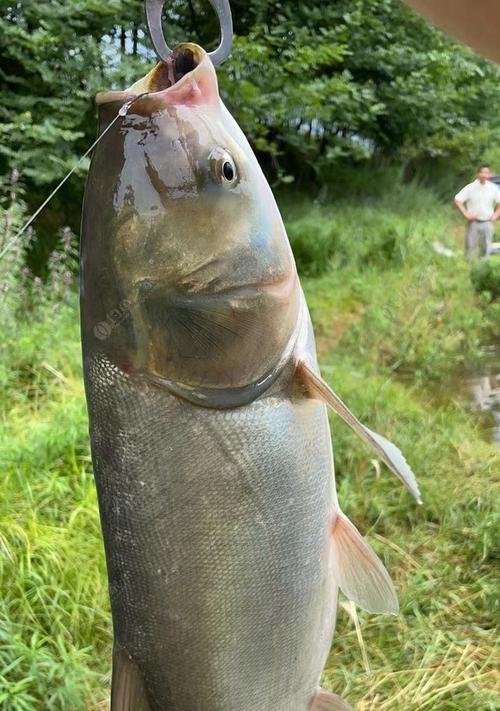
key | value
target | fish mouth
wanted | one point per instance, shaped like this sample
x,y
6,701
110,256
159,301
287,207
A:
x,y
280,288
187,75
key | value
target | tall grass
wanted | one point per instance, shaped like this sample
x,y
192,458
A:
x,y
53,598
396,325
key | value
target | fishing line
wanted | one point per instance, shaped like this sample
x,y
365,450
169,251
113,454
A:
x,y
121,113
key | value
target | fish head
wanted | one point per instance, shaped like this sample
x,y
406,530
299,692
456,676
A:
x,y
181,229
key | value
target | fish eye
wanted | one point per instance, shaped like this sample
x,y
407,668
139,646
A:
x,y
223,168
228,170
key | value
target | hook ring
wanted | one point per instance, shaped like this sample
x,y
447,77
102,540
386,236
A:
x,y
154,10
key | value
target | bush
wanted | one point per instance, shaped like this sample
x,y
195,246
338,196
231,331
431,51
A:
x,y
314,241
28,303
374,233
485,277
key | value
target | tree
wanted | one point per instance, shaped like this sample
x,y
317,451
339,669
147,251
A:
x,y
315,84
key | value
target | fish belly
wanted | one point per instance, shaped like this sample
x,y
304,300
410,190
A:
x,y
216,528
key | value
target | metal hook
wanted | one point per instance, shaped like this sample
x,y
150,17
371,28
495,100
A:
x,y
154,10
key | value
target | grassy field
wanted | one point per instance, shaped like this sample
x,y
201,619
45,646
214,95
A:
x,y
397,327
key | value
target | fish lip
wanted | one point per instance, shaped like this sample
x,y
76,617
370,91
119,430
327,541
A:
x,y
185,82
281,289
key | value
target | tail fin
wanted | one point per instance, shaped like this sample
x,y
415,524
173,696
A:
x,y
326,701
127,687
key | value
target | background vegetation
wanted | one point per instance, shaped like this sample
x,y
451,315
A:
x,y
363,117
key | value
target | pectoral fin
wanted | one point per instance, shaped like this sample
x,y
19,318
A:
x,y
387,451
359,572
127,687
326,701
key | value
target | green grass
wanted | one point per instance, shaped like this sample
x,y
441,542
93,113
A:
x,y
397,325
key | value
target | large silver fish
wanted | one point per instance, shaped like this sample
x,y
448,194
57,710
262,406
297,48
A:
x,y
224,538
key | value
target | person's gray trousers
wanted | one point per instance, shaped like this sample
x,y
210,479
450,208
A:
x,y
478,237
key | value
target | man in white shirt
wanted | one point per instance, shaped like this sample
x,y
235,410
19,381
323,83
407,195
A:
x,y
479,203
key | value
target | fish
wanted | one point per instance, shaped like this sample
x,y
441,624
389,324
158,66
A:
x,y
225,542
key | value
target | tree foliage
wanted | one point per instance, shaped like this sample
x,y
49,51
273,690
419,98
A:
x,y
312,84
317,83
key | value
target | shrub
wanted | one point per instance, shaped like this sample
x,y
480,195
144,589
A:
x,y
314,241
485,277
370,234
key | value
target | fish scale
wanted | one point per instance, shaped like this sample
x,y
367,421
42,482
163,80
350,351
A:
x,y
234,568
